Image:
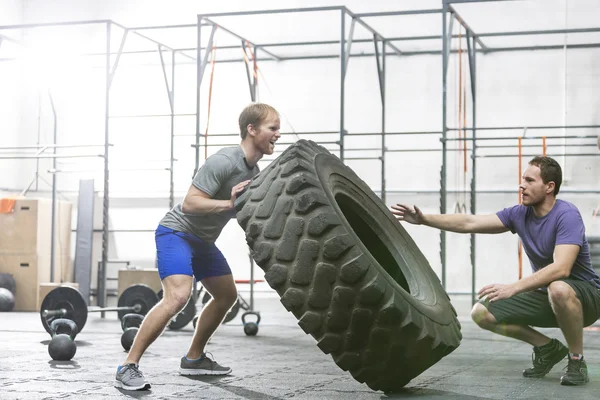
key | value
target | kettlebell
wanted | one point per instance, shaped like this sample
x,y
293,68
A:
x,y
130,325
250,327
62,347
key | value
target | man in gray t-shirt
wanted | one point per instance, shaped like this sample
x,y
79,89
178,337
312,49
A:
x,y
185,247
564,289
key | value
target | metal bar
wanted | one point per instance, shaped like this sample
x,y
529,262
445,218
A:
x,y
446,42
472,47
275,11
544,47
383,105
370,29
233,144
396,13
536,146
45,146
172,144
446,46
254,75
119,52
53,223
152,40
531,137
198,84
276,57
534,155
376,43
335,132
540,32
153,115
50,24
349,44
105,201
248,72
39,124
164,71
520,128
10,157
342,80
208,50
467,27
146,28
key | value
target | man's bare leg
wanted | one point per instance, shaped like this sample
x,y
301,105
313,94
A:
x,y
176,291
569,314
486,320
224,295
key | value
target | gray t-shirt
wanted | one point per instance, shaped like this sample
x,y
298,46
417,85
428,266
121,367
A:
x,y
219,174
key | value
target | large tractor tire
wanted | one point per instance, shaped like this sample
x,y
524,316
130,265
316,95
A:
x,y
346,268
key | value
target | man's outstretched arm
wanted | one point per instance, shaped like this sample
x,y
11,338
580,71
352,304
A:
x,y
459,223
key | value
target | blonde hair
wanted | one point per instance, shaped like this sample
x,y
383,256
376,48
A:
x,y
254,114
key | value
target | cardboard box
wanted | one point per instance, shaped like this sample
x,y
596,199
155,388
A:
x,y
45,288
145,276
28,230
28,270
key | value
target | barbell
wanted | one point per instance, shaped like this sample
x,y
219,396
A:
x,y
67,302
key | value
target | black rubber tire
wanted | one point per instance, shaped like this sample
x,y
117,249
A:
x,y
346,269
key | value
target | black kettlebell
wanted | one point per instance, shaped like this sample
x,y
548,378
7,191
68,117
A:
x,y
251,328
62,347
130,324
7,300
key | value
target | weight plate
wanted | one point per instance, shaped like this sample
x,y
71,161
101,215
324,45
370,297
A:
x,y
68,298
185,316
141,295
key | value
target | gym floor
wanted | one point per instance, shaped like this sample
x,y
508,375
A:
x,y
280,362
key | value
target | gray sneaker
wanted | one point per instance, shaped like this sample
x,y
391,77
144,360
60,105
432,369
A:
x,y
202,366
129,377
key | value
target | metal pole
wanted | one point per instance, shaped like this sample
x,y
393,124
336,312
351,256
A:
x,y
171,161
53,223
39,124
343,76
445,46
105,204
472,51
383,148
198,83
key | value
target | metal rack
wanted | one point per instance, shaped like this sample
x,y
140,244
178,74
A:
x,y
383,47
475,45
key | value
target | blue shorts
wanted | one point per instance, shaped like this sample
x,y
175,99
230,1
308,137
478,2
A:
x,y
182,253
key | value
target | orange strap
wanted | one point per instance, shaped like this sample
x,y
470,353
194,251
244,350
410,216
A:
x,y
544,146
212,75
7,205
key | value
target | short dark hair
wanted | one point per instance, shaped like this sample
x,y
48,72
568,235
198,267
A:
x,y
254,114
550,171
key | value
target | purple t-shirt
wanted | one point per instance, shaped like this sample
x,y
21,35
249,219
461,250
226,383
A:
x,y
562,225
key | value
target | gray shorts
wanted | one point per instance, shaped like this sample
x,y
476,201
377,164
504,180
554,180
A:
x,y
533,308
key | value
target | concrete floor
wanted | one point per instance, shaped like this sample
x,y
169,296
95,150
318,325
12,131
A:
x,y
281,362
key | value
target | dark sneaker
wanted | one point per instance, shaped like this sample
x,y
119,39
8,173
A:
x,y
577,373
202,366
129,377
544,358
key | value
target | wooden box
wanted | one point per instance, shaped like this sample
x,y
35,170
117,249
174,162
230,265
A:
x,y
28,270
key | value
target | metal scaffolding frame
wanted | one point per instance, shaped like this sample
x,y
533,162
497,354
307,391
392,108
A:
x,y
110,71
383,47
476,45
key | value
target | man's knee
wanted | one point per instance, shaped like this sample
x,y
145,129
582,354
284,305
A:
x,y
482,317
226,297
561,293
